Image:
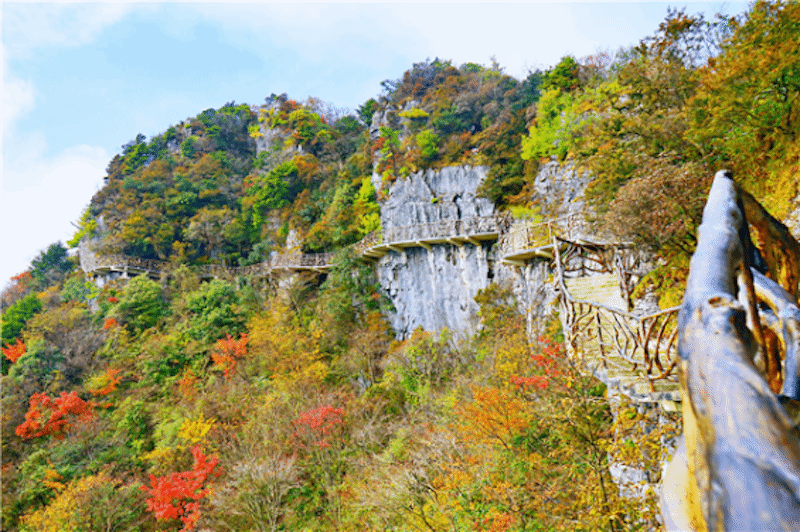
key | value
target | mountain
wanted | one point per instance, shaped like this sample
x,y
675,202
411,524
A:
x,y
288,316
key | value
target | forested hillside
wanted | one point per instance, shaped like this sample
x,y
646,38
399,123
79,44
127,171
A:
x,y
286,403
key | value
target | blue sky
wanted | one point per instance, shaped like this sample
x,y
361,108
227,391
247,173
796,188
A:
x,y
80,80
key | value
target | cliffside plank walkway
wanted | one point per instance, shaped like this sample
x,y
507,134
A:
x,y
634,354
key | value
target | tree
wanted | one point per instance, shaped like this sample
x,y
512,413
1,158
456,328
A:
x,y
227,352
15,351
212,229
264,193
47,416
178,495
552,132
141,304
747,110
95,502
50,266
563,77
14,319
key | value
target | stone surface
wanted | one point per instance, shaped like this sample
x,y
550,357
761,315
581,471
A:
x,y
436,288
533,288
559,191
433,195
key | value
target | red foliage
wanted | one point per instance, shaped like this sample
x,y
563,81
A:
x,y
177,496
113,299
228,351
316,425
21,283
547,361
537,380
15,351
48,416
16,289
110,323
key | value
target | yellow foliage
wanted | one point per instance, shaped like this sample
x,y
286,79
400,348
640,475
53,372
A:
x,y
163,458
286,349
195,430
52,479
71,509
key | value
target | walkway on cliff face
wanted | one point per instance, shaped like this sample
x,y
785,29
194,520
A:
x,y
633,354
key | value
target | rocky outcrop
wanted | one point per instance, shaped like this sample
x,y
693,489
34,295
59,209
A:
x,y
432,196
435,288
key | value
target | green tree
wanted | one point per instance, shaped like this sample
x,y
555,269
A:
x,y
428,142
141,304
553,130
264,193
14,318
50,266
563,77
214,311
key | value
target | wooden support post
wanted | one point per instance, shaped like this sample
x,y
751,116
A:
x,y
738,465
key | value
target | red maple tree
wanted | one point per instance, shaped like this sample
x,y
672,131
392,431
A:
x,y
178,495
228,351
313,427
53,416
15,351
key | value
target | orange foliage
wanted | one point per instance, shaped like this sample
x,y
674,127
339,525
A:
x,y
227,352
187,383
110,380
493,416
177,496
496,523
48,416
307,167
109,323
15,351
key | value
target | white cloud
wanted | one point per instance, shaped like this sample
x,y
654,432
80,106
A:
x,y
18,99
38,215
30,26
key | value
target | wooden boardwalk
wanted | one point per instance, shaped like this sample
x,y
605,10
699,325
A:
x,y
633,354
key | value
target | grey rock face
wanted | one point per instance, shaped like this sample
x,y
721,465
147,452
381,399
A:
x,y
559,191
436,288
533,288
434,195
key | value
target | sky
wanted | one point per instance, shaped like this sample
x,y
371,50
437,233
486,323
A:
x,y
80,80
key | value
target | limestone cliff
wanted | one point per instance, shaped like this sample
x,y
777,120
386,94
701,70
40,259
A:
x,y
434,288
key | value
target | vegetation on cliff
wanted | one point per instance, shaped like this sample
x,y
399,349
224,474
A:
x,y
248,404
654,123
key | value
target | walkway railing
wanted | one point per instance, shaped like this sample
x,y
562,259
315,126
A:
x,y
622,349
614,342
479,227
522,237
